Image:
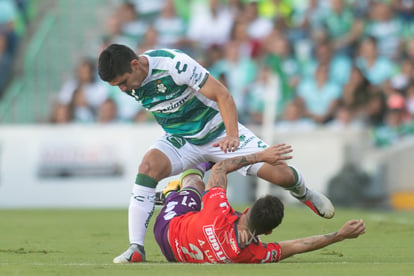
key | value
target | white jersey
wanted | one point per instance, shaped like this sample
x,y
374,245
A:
x,y
170,92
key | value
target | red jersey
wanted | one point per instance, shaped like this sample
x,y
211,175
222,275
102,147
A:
x,y
210,236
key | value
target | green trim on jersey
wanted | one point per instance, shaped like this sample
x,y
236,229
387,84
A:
x,y
160,53
204,81
157,71
209,137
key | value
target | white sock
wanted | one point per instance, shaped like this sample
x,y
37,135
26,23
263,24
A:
x,y
299,188
141,208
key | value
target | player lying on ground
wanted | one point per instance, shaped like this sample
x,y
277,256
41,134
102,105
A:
x,y
199,117
216,233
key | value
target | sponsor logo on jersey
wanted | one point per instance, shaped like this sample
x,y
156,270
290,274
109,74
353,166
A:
x,y
214,243
175,105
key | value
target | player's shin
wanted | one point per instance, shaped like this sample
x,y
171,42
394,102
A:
x,y
316,201
141,208
298,189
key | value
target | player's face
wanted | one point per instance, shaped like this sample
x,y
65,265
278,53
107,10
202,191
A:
x,y
130,80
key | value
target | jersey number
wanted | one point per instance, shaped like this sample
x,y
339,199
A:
x,y
178,65
195,252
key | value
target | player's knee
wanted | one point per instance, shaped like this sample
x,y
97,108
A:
x,y
157,168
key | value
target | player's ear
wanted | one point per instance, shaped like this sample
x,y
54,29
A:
x,y
134,63
245,210
268,232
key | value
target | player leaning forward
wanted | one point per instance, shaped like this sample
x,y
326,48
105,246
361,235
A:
x,y
200,121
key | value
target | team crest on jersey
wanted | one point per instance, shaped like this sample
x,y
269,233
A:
x,y
161,88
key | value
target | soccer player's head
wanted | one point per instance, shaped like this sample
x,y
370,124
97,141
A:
x,y
115,61
265,215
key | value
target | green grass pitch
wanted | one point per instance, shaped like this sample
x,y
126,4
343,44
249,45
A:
x,y
83,242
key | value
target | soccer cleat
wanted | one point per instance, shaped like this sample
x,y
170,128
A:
x,y
318,203
173,185
134,254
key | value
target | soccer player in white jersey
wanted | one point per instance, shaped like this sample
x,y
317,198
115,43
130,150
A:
x,y
200,121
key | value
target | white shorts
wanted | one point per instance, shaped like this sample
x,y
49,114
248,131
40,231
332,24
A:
x,y
184,155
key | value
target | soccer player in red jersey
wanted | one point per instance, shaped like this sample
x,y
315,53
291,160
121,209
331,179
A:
x,y
215,233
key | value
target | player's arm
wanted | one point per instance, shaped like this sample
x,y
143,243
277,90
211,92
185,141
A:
x,y
351,230
272,155
216,91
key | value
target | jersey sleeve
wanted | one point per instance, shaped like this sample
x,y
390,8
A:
x,y
186,71
261,253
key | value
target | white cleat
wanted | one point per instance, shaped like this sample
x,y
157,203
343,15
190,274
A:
x,y
134,254
318,203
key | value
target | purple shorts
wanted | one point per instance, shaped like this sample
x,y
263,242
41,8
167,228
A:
x,y
176,204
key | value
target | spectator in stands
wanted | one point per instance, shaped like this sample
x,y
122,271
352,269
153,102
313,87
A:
x,y
318,96
212,60
394,129
148,10
258,26
149,41
376,107
396,100
248,47
309,19
401,80
293,119
339,65
113,32
107,112
409,49
387,30
280,53
132,26
81,111
5,64
404,9
280,59
170,27
341,26
61,114
377,69
257,94
210,24
95,91
356,92
240,72
344,119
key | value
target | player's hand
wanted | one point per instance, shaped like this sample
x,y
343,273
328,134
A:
x,y
275,154
228,144
352,229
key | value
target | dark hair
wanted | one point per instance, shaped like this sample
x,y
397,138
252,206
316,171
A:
x,y
114,61
265,214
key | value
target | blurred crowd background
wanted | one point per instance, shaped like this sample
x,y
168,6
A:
x,y
341,64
